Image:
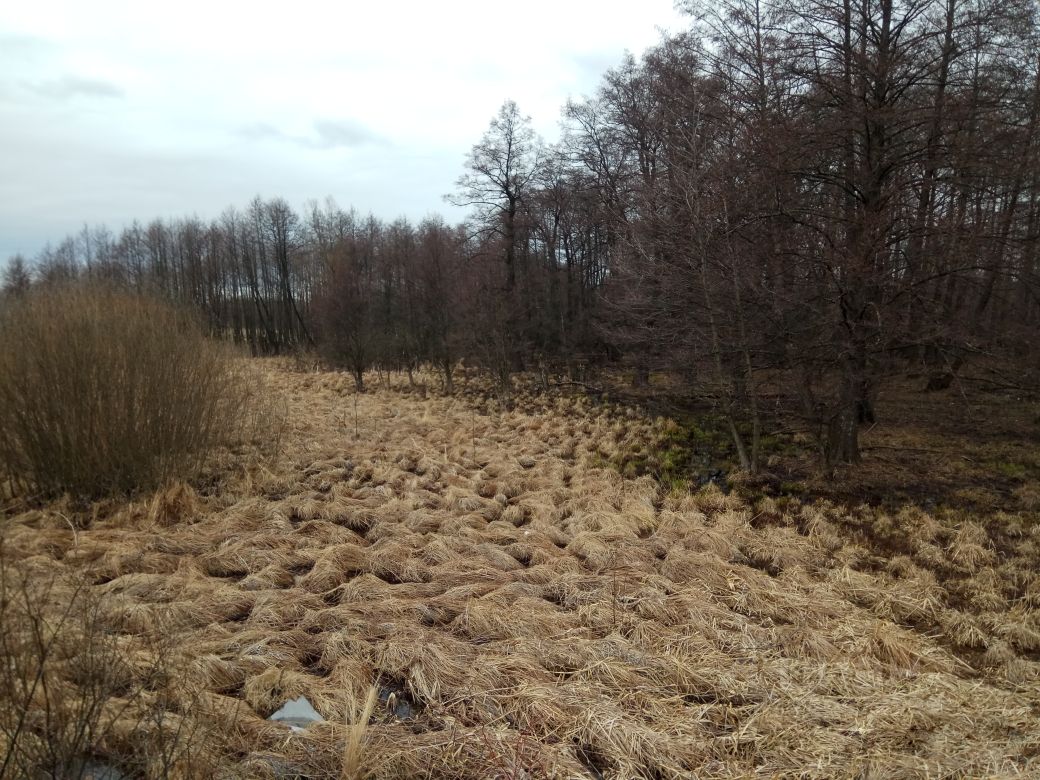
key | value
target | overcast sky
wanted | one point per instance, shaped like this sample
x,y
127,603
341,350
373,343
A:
x,y
111,111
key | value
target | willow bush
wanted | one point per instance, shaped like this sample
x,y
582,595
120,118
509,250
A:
x,y
105,392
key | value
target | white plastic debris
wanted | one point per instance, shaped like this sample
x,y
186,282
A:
x,y
297,714
95,770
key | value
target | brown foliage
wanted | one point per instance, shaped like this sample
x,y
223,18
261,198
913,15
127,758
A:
x,y
104,392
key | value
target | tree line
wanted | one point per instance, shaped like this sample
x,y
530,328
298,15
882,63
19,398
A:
x,y
782,206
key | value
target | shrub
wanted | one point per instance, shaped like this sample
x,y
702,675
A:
x,y
82,698
104,392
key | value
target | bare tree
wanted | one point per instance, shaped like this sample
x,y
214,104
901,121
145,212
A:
x,y
16,279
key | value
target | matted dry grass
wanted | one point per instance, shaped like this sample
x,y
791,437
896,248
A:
x,y
521,613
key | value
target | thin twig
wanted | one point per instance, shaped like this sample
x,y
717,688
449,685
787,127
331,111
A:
x,y
75,536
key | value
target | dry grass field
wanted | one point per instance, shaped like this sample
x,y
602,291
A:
x,y
521,611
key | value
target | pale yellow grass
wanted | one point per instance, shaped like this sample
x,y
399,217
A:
x,y
516,611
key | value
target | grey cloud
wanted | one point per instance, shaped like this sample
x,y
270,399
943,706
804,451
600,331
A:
x,y
328,134
333,133
70,86
53,187
22,47
262,131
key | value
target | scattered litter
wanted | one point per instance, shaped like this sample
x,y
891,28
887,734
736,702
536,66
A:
x,y
97,770
297,714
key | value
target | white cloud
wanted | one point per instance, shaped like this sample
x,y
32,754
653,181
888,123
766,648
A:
x,y
373,103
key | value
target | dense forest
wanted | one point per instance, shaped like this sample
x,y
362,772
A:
x,y
781,207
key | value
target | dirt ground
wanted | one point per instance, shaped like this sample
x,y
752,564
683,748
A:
x,y
523,611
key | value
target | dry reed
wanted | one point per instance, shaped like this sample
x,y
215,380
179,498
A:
x,y
592,626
